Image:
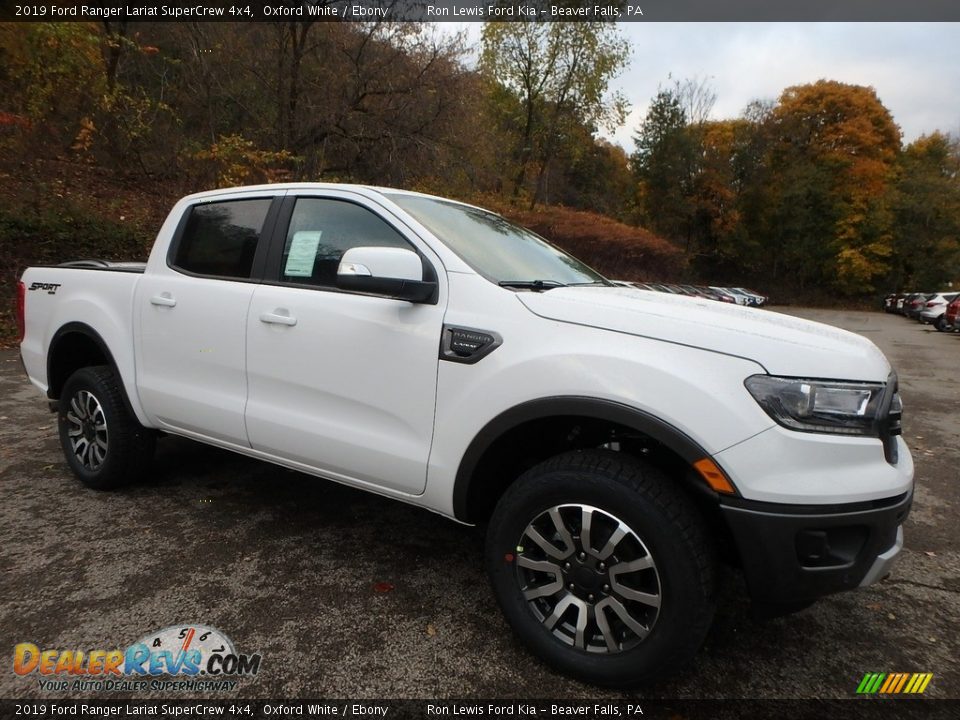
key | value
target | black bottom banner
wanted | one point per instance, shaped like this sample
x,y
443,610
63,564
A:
x,y
513,709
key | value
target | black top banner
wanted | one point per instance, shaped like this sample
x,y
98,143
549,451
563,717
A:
x,y
485,10
640,709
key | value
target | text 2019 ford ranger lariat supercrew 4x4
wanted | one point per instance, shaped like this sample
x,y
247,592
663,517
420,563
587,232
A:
x,y
617,443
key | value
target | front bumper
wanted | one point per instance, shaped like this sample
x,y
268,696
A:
x,y
796,554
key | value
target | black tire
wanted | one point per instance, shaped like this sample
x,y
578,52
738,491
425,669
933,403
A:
x,y
663,523
941,323
103,443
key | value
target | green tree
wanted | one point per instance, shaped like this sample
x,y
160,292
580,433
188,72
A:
x,y
926,251
560,75
664,164
598,178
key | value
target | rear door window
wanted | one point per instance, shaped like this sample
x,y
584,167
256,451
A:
x,y
220,238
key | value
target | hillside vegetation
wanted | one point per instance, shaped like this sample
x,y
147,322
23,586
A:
x,y
813,195
80,211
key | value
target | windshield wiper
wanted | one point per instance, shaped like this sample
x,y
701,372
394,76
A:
x,y
535,285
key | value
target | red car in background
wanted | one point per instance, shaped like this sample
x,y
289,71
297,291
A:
x,y
951,317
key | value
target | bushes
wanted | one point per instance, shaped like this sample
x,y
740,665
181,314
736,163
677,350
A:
x,y
618,251
53,235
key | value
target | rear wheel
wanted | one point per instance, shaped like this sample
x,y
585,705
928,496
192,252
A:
x,y
102,442
941,323
602,568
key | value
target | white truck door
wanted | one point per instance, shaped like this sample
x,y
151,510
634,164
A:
x,y
191,349
339,382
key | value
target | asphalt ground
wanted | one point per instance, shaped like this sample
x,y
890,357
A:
x,y
348,595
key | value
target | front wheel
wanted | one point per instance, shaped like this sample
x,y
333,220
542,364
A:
x,y
602,568
103,443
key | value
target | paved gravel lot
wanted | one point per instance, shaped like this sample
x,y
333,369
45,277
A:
x,y
291,566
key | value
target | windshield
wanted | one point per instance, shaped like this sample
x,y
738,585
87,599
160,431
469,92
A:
x,y
496,248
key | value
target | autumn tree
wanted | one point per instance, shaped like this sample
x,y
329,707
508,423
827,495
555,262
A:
x,y
834,168
43,65
718,187
381,102
559,74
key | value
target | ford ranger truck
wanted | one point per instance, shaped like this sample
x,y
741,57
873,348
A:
x,y
617,444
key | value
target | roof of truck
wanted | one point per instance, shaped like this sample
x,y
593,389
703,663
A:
x,y
362,189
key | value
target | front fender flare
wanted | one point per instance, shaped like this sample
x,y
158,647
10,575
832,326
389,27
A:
x,y
643,422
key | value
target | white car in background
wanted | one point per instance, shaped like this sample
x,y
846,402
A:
x,y
741,297
935,308
757,299
738,297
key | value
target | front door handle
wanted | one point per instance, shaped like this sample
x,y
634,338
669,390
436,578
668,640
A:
x,y
163,300
278,317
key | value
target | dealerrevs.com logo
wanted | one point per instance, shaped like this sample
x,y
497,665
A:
x,y
202,657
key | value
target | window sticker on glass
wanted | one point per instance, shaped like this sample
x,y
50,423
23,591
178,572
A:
x,y
303,252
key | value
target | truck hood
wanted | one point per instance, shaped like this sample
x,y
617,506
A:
x,y
782,344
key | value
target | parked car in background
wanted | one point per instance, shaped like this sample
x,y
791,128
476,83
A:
x,y
662,287
891,303
904,304
934,309
724,295
716,295
741,297
951,316
759,300
917,303
691,290
738,298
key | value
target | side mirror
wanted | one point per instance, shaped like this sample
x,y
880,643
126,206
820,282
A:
x,y
388,271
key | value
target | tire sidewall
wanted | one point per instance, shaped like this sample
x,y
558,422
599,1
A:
x,y
680,584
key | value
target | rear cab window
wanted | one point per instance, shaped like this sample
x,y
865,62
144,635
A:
x,y
219,239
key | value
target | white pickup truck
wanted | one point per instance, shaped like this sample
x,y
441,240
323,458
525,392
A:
x,y
616,443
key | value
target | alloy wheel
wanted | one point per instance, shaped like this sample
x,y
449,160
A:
x,y
589,578
87,430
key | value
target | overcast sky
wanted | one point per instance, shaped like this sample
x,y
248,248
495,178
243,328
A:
x,y
914,67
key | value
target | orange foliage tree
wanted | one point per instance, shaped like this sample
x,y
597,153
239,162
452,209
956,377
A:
x,y
835,167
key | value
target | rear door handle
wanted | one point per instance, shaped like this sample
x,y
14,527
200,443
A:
x,y
278,317
163,300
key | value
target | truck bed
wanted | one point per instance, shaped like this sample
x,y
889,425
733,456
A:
x,y
57,295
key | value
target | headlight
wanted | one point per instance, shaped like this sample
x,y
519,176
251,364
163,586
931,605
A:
x,y
823,406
